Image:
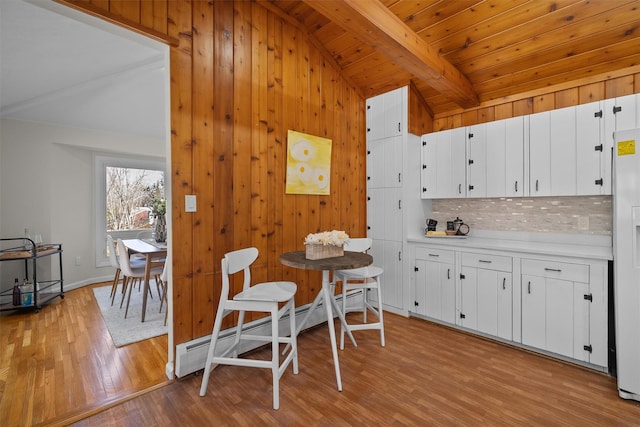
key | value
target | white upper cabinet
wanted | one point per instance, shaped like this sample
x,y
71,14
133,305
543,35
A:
x,y
477,160
540,154
563,151
443,172
384,115
429,162
505,158
552,153
593,154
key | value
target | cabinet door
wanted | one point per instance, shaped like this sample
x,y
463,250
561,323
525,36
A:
x,y
392,290
384,115
514,157
505,306
428,174
422,274
433,295
533,311
435,286
539,154
443,161
392,162
375,163
488,301
469,297
375,117
496,159
457,166
375,213
590,151
559,316
392,113
392,208
477,160
563,151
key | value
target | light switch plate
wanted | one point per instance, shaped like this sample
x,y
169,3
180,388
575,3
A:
x,y
190,203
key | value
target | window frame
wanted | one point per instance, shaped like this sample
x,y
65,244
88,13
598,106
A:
x,y
101,162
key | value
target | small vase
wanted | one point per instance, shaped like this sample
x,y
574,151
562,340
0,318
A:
x,y
160,228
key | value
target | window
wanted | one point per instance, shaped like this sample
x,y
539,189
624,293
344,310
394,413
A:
x,y
125,191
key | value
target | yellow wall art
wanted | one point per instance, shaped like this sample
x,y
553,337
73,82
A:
x,y
308,164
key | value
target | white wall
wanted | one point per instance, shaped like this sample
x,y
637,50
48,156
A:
x,y
47,185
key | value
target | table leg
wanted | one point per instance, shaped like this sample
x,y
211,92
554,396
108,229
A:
x,y
326,290
147,273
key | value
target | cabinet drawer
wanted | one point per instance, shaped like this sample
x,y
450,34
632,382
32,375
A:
x,y
437,255
556,270
488,262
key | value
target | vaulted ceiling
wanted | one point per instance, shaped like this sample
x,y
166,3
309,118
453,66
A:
x,y
458,53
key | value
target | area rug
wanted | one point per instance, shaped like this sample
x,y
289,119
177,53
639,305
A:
x,y
126,331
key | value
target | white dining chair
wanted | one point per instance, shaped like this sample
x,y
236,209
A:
x,y
263,297
115,263
362,280
132,273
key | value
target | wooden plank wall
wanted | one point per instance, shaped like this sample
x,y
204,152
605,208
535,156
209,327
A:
x,y
570,94
242,76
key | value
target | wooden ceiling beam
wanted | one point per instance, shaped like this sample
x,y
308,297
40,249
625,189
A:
x,y
377,26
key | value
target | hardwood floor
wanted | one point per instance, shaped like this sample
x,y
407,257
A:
x,y
61,362
426,375
59,365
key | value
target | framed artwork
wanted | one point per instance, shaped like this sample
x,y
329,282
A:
x,y
308,164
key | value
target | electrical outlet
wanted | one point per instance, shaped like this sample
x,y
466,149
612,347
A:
x,y
78,260
583,223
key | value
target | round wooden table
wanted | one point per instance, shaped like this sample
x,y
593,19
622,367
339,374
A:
x,y
350,260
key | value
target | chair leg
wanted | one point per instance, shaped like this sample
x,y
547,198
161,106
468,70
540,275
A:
x,y
212,348
236,341
344,310
114,286
275,357
294,336
126,282
128,300
380,312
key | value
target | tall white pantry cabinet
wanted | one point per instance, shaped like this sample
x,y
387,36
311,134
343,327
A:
x,y
387,134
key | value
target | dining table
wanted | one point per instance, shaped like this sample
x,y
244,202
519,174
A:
x,y
298,259
152,250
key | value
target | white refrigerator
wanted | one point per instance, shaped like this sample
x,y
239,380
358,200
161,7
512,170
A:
x,y
626,260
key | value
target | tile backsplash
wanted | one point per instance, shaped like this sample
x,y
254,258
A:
x,y
579,215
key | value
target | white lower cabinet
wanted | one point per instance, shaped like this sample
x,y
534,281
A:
x,y
486,294
557,303
551,303
435,294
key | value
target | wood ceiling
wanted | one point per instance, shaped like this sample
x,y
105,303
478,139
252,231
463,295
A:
x,y
458,53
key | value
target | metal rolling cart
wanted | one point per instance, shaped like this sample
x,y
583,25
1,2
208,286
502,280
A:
x,y
42,291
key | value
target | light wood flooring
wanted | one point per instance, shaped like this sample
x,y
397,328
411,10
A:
x,y
61,362
426,375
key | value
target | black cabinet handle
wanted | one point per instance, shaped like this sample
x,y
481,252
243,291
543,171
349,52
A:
x,y
529,287
516,186
504,283
448,273
536,185
459,188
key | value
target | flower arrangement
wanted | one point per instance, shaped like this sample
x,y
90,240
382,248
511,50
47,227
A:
x,y
327,244
332,238
159,207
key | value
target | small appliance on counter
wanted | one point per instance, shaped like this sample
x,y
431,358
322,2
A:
x,y
455,228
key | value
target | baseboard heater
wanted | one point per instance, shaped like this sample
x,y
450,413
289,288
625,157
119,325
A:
x,y
192,355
